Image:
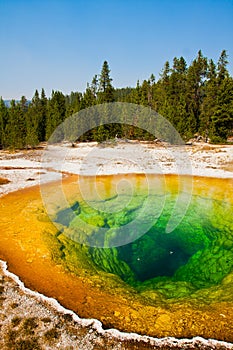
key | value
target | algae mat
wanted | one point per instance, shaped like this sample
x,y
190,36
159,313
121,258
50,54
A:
x,y
160,284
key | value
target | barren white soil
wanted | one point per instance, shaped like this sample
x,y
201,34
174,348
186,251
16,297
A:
x,y
27,168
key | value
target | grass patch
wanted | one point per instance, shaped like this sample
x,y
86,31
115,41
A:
x,y
46,320
51,334
22,338
11,337
28,344
29,325
25,344
16,321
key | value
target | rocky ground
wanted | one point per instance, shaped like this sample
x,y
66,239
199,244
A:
x,y
30,167
30,321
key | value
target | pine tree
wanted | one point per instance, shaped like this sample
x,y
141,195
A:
x,y
3,123
151,83
222,118
94,87
106,90
165,72
222,71
137,94
198,98
221,107
209,102
16,126
56,112
43,116
161,93
176,91
33,117
73,103
145,94
196,76
36,119
21,122
89,98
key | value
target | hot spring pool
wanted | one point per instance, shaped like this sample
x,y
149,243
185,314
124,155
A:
x,y
149,254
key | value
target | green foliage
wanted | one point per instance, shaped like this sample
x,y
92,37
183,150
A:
x,y
105,93
196,99
15,131
222,115
56,112
3,123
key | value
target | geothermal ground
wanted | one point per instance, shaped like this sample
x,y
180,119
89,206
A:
x,y
30,321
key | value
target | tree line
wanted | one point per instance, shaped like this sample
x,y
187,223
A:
x,y
196,99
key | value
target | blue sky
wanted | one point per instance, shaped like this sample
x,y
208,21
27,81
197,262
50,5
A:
x,y
62,44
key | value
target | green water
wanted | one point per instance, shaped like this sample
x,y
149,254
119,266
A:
x,y
196,258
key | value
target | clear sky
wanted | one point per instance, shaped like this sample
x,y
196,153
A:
x,y
61,44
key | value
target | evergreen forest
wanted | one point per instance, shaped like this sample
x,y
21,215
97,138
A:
x,y
196,99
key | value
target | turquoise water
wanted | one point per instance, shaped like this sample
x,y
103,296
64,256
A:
x,y
197,254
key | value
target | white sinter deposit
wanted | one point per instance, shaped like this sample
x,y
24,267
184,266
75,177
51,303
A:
x,y
27,168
